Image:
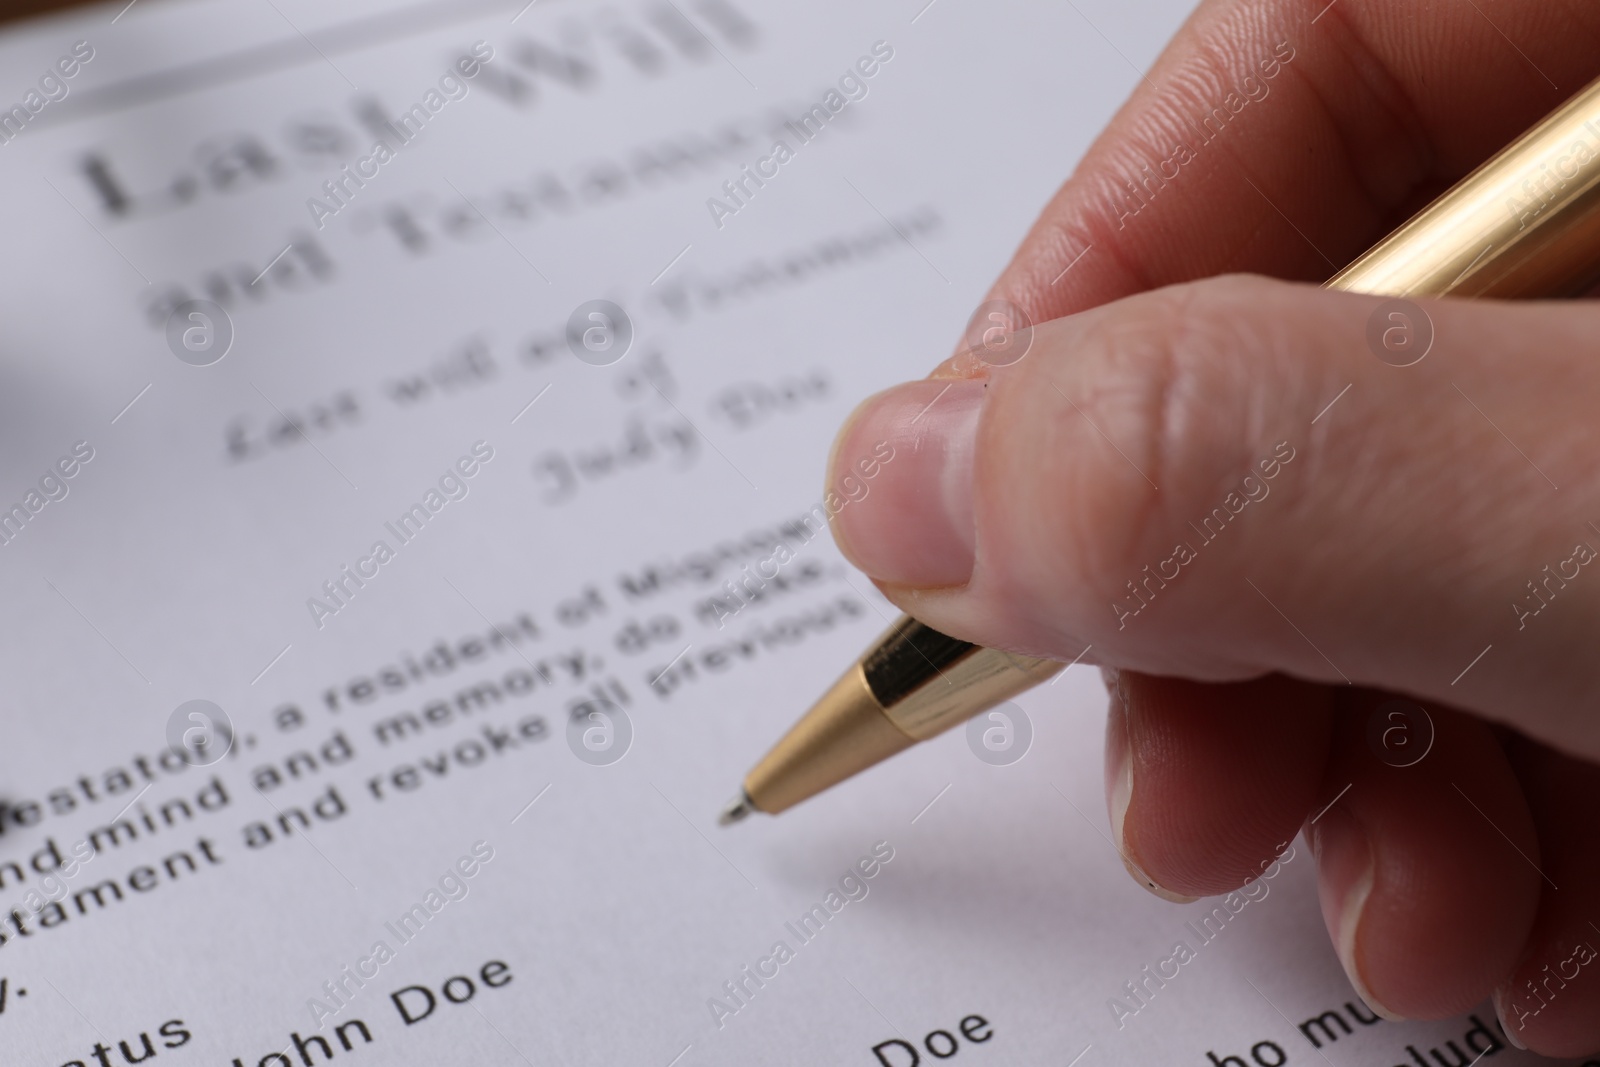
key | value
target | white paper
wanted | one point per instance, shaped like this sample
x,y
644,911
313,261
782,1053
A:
x,y
423,319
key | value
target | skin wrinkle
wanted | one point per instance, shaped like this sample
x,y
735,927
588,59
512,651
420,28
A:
x,y
1183,358
1197,352
1204,82
1346,155
1128,370
1077,239
1061,239
1169,404
1104,222
1497,48
1246,234
1387,92
1574,12
1382,207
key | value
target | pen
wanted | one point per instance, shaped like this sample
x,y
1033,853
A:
x,y
1524,224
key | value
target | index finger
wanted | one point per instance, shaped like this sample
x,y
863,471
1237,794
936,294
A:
x,y
1284,137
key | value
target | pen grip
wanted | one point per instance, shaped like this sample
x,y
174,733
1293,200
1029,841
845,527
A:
x,y
927,681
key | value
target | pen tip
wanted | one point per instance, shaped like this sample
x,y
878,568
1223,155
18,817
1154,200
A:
x,y
736,809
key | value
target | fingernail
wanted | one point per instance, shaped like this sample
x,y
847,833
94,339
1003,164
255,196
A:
x,y
899,489
1501,996
1344,881
1119,789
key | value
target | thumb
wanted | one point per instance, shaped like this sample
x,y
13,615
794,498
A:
x,y
1224,479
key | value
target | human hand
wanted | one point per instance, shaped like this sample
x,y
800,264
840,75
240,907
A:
x,y
1219,491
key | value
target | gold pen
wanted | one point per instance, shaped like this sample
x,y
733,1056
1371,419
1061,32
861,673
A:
x,y
1524,224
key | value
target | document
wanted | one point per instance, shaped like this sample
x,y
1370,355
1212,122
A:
x,y
412,527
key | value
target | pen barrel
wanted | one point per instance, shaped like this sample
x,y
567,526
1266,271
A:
x,y
1524,224
927,682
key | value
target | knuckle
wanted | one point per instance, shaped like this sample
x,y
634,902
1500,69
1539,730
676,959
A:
x,y
1136,411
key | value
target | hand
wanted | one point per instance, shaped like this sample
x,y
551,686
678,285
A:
x,y
1265,533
